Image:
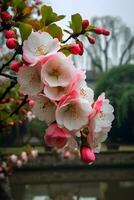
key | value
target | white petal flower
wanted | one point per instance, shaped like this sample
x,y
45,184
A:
x,y
39,44
58,71
30,80
100,124
74,114
55,93
44,109
86,92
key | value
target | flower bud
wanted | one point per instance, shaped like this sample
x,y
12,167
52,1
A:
x,y
91,40
34,153
74,48
81,47
85,23
13,158
5,16
87,155
24,157
11,123
10,34
105,32
15,66
31,102
19,163
98,30
11,43
11,100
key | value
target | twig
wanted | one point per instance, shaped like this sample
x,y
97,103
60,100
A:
x,y
9,76
12,84
18,108
67,39
6,64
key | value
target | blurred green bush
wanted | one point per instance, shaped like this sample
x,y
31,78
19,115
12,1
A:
x,y
118,85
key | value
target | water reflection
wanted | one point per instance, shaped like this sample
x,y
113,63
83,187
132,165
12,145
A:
x,y
123,190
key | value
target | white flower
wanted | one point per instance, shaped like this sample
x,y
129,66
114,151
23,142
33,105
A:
x,y
55,93
30,80
44,109
100,122
58,71
104,118
39,44
86,92
73,114
30,116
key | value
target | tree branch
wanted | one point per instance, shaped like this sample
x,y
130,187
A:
x,y
126,49
93,60
6,64
9,76
18,108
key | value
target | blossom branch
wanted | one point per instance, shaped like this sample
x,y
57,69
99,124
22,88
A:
x,y
6,64
18,108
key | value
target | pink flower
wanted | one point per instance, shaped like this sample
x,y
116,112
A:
x,y
44,109
29,79
55,136
37,45
58,71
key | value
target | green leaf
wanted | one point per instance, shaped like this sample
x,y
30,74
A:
x,y
76,23
55,31
46,12
18,4
25,30
48,16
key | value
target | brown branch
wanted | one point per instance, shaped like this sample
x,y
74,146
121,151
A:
x,y
6,64
9,76
18,108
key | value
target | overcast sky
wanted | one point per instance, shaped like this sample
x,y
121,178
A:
x,y
89,8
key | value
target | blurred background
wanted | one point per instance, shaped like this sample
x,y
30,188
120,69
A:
x,y
109,66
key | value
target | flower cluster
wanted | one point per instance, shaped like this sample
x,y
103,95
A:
x,y
62,98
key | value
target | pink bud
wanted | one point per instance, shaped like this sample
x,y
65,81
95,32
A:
x,y
81,47
98,30
31,102
11,123
24,157
13,158
15,66
105,32
34,153
10,34
3,100
11,43
19,163
74,48
87,155
5,16
91,40
11,100
85,23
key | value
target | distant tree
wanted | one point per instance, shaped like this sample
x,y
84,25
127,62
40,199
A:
x,y
117,49
118,84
